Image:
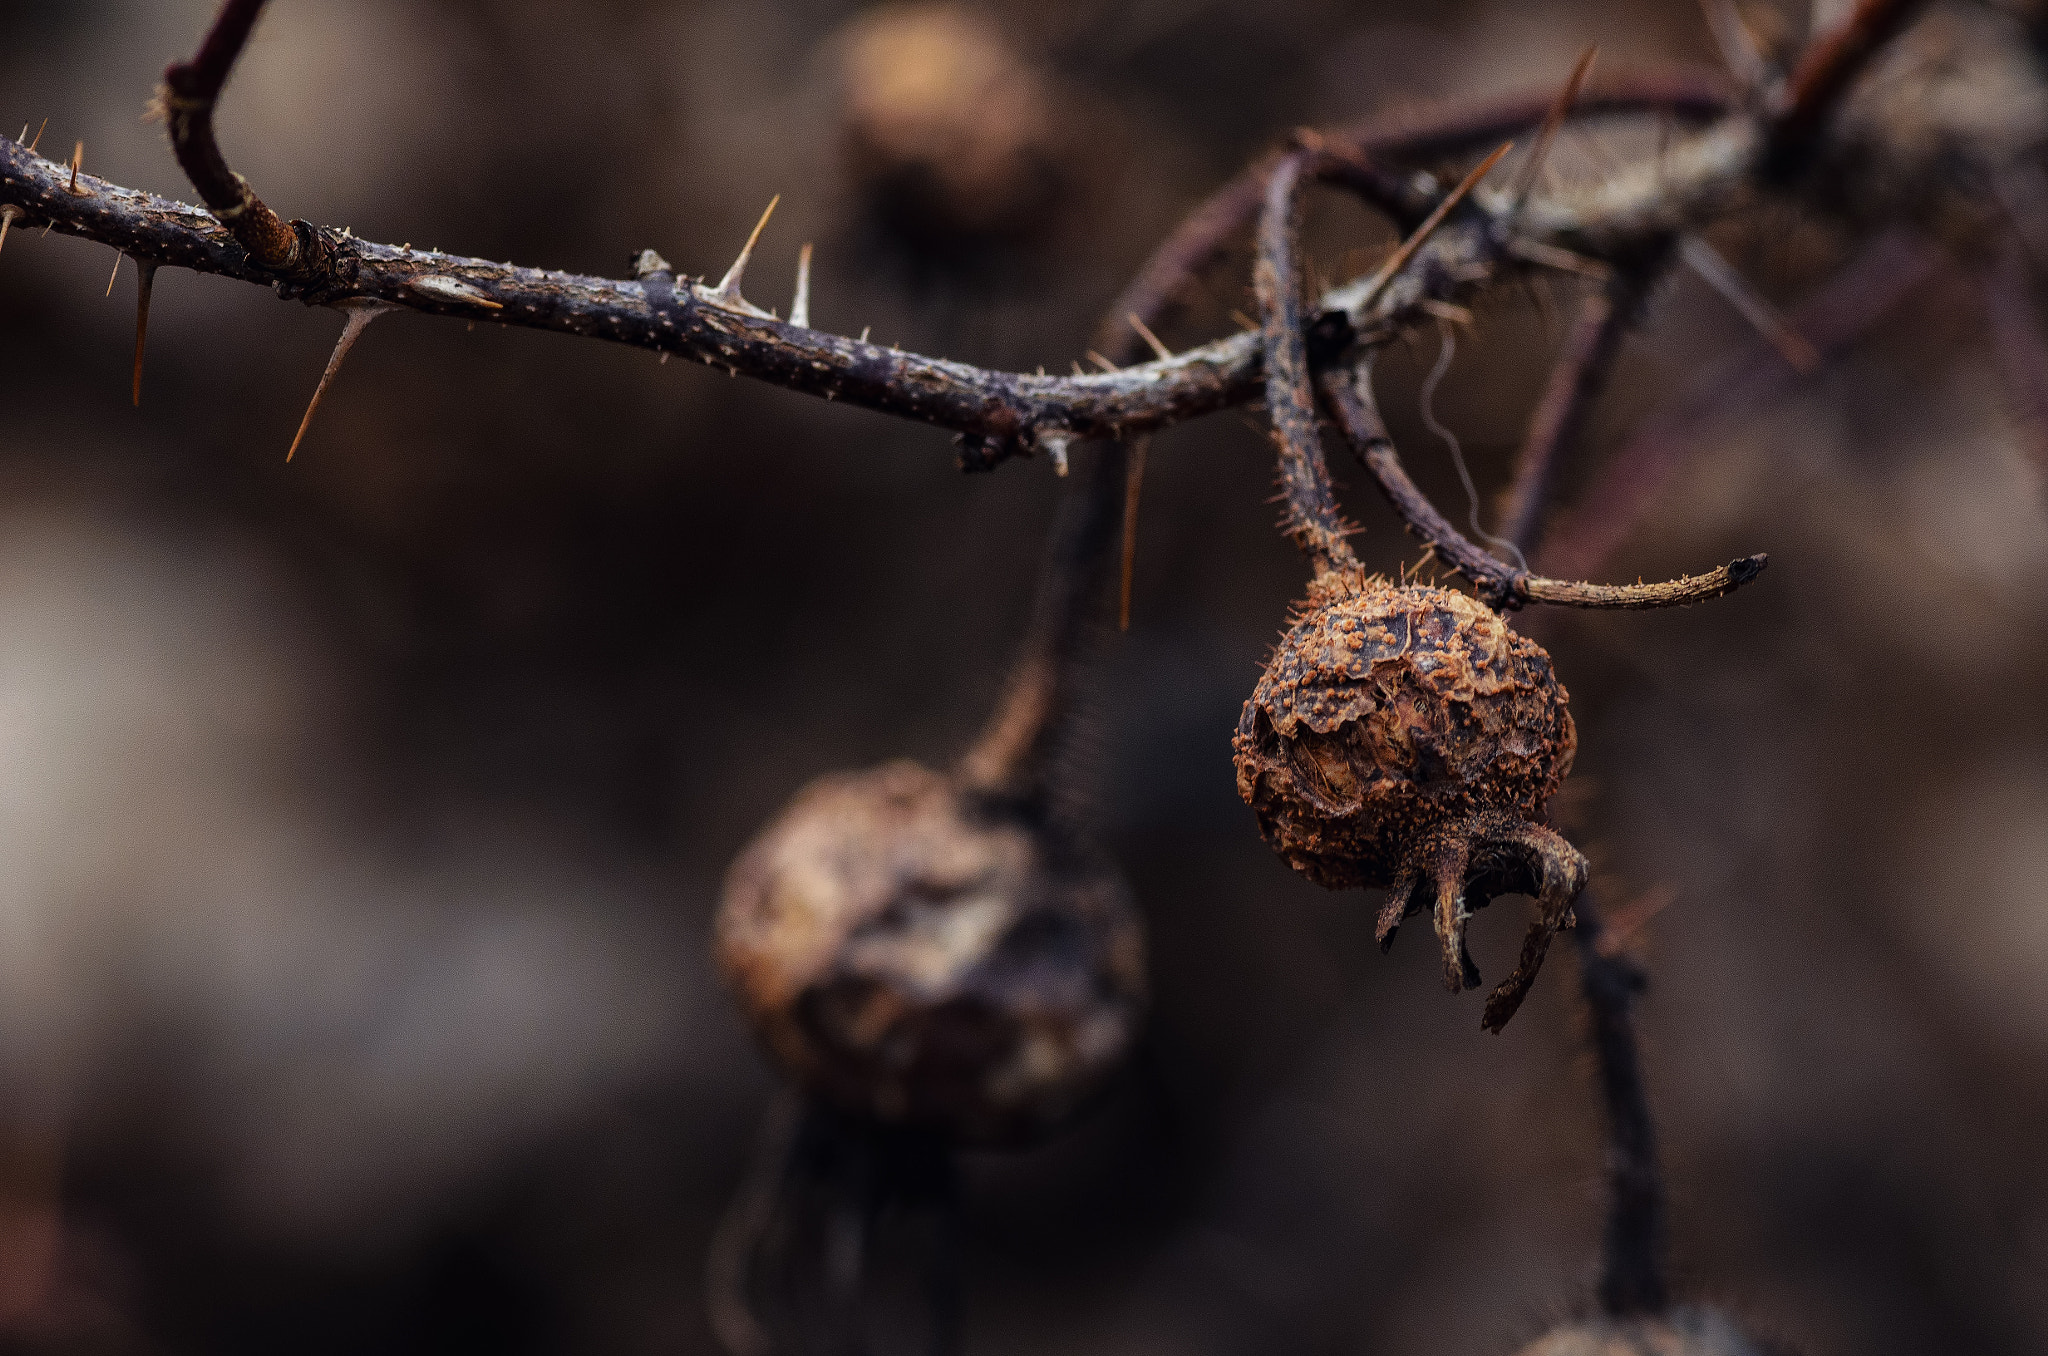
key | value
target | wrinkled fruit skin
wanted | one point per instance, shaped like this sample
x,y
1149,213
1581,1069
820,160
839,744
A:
x,y
1685,1332
1405,737
910,954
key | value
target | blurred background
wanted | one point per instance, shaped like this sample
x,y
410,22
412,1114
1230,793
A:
x,y
362,819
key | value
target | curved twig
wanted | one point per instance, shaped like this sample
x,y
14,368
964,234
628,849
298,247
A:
x,y
1349,398
1312,518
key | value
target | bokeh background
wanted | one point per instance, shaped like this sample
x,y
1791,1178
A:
x,y
362,819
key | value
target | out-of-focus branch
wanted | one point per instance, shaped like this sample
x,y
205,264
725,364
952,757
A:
x,y
1824,73
1575,382
1312,518
1365,158
1020,744
1632,1270
1587,534
1349,398
191,89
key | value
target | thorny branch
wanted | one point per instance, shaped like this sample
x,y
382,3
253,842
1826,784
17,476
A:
x,y
998,414
1003,414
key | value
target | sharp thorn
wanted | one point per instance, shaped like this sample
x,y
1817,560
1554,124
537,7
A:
x,y
864,332
1400,257
7,216
1145,333
77,159
39,135
800,309
145,285
360,314
113,277
1105,364
728,288
1525,177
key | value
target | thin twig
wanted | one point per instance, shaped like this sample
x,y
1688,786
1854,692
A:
x,y
1632,1271
1349,398
1312,517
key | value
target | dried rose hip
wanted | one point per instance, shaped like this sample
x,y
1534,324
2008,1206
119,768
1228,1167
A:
x,y
1405,737
917,951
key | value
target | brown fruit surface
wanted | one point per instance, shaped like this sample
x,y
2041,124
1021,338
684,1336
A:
x,y
1406,737
912,952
